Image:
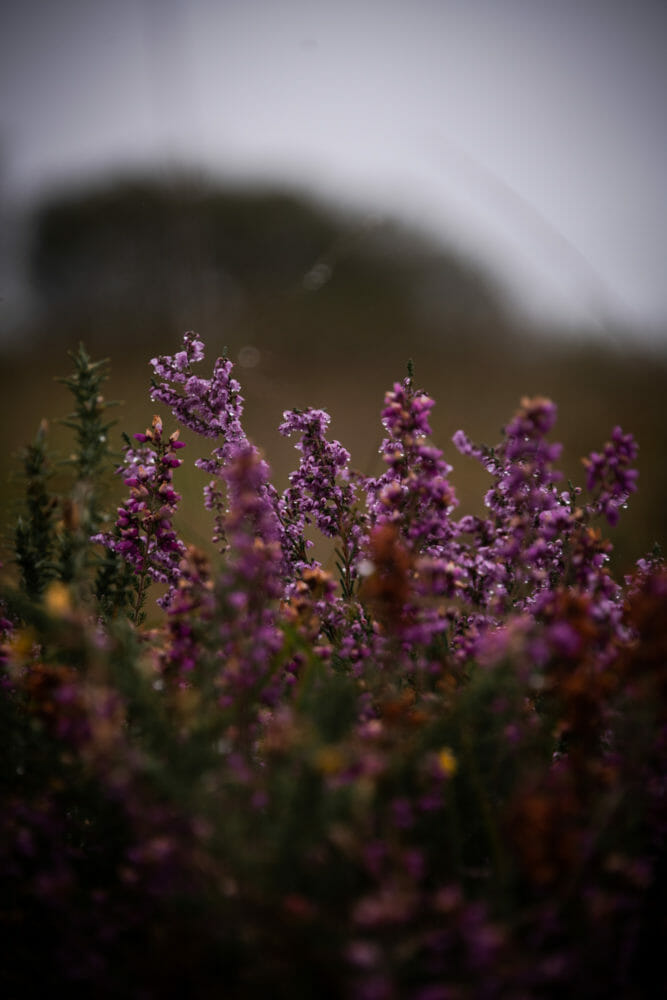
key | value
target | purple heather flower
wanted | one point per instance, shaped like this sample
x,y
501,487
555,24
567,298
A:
x,y
315,493
535,539
414,492
252,524
413,499
518,549
191,603
210,407
144,535
251,582
609,476
321,491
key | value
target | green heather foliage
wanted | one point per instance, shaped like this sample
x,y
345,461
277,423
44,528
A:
x,y
438,773
34,532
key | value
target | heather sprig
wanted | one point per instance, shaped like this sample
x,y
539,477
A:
x,y
190,612
144,535
209,407
610,476
414,492
411,545
250,583
518,547
322,492
538,537
35,533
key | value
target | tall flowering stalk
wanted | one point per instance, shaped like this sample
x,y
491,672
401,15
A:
x,y
211,408
412,538
518,547
248,589
610,475
414,493
144,535
321,491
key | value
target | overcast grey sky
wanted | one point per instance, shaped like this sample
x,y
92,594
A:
x,y
531,133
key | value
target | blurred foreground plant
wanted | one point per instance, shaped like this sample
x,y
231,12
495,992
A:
x,y
440,775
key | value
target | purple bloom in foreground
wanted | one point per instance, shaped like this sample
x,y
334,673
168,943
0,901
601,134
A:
x,y
251,581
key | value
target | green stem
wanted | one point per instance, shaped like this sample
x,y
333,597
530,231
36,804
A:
x,y
143,581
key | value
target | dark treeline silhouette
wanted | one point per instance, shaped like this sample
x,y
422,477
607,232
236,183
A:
x,y
142,257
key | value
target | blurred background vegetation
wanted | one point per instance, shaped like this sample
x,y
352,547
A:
x,y
317,307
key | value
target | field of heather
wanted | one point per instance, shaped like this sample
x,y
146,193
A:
x,y
341,732
333,500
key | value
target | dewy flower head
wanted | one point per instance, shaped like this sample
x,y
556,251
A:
x,y
414,493
321,490
406,413
609,476
315,491
525,436
210,407
535,537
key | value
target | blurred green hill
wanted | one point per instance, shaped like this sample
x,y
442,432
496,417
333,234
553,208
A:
x,y
140,257
317,307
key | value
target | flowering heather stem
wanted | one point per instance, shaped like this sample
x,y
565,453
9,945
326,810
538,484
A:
x,y
211,408
414,492
610,477
248,587
144,535
321,491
